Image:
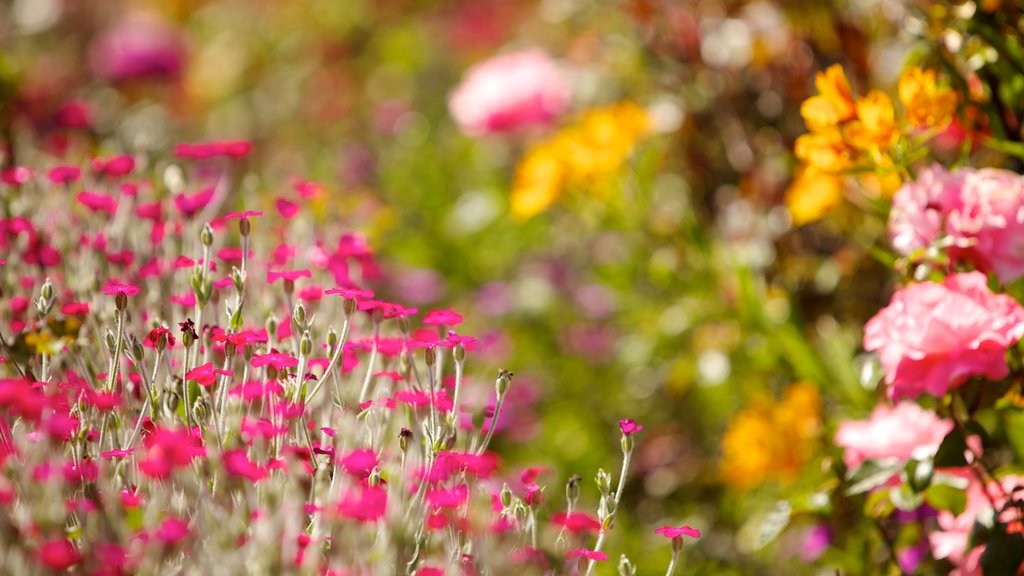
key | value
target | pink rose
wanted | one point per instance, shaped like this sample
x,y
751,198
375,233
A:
x,y
920,207
904,431
989,222
509,92
981,210
932,337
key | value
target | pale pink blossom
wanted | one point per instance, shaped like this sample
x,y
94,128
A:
x,y
509,92
932,337
903,432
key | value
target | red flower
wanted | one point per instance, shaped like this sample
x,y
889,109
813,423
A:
x,y
115,286
114,166
64,174
98,202
206,374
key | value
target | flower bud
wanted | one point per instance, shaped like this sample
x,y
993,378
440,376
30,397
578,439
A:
x,y
206,236
271,326
677,544
403,325
430,356
238,278
108,339
506,496
350,306
374,478
626,568
332,341
235,319
306,344
572,489
121,301
604,482
503,382
230,350
459,353
137,349
403,439
299,315
244,227
47,290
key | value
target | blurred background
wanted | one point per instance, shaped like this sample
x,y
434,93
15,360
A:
x,y
635,253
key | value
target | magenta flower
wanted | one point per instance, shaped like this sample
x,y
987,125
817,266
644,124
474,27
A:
x,y
139,45
671,532
64,174
114,166
115,286
206,374
366,504
587,553
509,92
448,497
278,360
287,275
246,214
443,317
58,554
350,293
213,149
172,531
359,462
286,208
576,522
16,176
98,202
629,427
237,464
932,336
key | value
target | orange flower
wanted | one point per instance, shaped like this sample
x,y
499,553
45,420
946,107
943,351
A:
x,y
834,102
823,151
538,181
875,128
772,440
812,195
928,105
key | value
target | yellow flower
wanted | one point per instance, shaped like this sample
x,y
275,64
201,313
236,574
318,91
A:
x,y
824,151
928,105
772,441
834,102
593,147
875,128
812,195
538,181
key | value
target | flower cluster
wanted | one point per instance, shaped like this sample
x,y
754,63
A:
x,y
227,389
848,132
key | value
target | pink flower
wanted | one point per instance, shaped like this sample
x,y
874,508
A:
x,y
359,462
115,286
138,45
278,360
205,150
629,427
64,174
932,337
367,504
586,553
238,464
448,497
98,202
670,532
172,530
167,449
350,293
443,317
982,211
905,431
989,222
240,215
287,275
576,522
113,166
509,92
58,554
206,374
286,208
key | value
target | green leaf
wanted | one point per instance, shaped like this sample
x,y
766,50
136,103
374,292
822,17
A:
x,y
904,498
872,474
946,497
919,474
951,451
773,523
